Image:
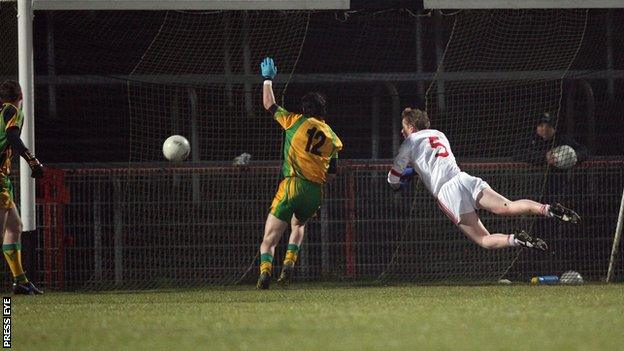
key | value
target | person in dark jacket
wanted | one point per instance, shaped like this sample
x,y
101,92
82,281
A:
x,y
559,182
539,149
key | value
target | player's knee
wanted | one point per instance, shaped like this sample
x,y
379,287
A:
x,y
269,238
268,244
16,228
503,210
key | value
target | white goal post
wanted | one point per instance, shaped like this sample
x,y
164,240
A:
x,y
190,4
616,241
26,80
315,4
523,4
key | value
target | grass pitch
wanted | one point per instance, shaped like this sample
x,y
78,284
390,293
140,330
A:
x,y
317,317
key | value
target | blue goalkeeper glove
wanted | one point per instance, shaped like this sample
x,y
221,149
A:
x,y
268,69
408,175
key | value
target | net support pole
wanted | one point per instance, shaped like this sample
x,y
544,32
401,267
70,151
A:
x,y
375,114
195,153
325,264
227,61
570,108
419,57
609,54
396,113
616,240
97,234
51,65
350,226
26,80
118,232
247,65
304,267
439,50
175,113
590,112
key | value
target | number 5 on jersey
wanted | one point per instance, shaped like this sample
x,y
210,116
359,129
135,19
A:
x,y
435,144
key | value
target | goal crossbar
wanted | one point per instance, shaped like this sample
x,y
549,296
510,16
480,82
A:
x,y
191,5
524,4
315,4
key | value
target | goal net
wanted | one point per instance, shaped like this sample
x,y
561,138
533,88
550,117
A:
x,y
505,71
128,80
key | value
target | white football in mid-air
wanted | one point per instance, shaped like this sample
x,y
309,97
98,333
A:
x,y
565,156
176,148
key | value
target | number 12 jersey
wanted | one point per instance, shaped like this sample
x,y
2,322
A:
x,y
309,145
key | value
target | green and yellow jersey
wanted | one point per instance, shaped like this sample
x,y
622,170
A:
x,y
309,146
10,116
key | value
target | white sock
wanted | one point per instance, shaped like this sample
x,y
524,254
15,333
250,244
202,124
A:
x,y
546,210
512,240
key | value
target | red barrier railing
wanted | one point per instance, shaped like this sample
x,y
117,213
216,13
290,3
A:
x,y
55,195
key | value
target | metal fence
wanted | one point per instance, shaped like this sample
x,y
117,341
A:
x,y
151,226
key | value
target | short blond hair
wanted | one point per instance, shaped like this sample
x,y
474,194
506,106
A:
x,y
416,118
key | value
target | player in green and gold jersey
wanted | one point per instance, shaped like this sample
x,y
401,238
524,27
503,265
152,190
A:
x,y
11,121
310,152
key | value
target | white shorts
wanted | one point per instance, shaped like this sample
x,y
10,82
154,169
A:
x,y
459,195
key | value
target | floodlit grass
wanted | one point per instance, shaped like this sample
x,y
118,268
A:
x,y
321,317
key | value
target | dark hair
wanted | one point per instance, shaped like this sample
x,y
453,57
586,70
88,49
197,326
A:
x,y
10,91
313,104
416,118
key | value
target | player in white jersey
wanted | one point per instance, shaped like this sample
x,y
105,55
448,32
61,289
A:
x,y
428,152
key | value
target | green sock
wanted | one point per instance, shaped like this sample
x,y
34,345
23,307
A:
x,y
266,263
291,254
13,256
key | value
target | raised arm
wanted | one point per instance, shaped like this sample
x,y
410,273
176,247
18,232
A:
x,y
269,71
284,118
268,99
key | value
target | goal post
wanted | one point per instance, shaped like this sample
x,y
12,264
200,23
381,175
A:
x,y
26,80
525,4
617,237
191,5
316,4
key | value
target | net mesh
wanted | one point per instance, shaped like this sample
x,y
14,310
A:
x,y
360,235
530,50
8,14
523,57
199,77
128,80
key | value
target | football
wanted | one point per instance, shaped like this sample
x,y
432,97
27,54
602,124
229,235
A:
x,y
571,277
565,156
176,148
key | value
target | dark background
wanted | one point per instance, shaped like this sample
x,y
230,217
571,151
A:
x,y
91,122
